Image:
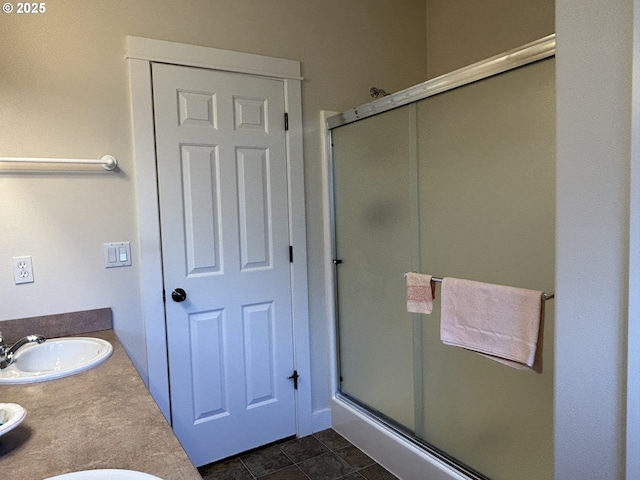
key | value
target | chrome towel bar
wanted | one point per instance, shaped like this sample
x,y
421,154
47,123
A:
x,y
545,295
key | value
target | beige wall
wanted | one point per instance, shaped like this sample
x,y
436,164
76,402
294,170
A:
x,y
597,148
466,31
64,93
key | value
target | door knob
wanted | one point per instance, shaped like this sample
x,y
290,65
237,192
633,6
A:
x,y
178,295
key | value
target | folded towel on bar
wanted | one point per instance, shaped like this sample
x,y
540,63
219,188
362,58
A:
x,y
420,293
502,323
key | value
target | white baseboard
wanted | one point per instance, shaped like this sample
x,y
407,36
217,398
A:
x,y
321,420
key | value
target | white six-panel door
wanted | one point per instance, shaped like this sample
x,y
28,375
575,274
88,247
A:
x,y
225,241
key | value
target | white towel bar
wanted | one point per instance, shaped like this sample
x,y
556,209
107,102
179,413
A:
x,y
108,162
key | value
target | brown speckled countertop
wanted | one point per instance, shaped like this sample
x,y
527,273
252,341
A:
x,y
101,418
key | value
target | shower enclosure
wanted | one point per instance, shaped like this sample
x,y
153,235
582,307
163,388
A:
x,y
454,177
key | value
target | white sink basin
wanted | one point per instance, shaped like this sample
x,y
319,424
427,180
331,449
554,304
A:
x,y
55,358
104,475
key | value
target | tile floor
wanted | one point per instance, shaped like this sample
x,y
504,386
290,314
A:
x,y
324,455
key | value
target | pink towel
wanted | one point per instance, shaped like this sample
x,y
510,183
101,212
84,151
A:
x,y
420,293
503,323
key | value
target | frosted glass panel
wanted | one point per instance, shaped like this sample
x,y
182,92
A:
x,y
487,205
372,184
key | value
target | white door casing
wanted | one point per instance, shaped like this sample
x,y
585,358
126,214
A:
x,y
222,179
140,53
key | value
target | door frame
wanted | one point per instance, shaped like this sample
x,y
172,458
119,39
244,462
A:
x,y
141,52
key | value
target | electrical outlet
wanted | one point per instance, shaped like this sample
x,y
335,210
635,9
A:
x,y
22,269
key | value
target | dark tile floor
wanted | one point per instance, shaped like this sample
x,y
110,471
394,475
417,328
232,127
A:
x,y
324,455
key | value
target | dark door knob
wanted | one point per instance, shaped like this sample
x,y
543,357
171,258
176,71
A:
x,y
179,295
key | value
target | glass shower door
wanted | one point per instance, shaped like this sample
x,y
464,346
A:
x,y
458,184
376,242
487,197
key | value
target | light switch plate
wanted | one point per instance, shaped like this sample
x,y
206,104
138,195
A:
x,y
117,254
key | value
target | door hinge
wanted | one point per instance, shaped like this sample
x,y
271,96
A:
x,y
294,377
164,296
290,253
286,121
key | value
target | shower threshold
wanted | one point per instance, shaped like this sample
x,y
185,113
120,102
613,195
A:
x,y
395,447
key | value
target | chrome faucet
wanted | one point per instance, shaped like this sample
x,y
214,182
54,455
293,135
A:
x,y
7,353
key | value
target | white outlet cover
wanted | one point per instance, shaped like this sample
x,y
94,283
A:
x,y
23,269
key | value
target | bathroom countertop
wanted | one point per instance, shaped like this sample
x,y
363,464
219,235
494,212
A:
x,y
101,418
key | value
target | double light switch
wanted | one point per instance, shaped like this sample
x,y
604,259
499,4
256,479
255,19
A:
x,y
117,254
